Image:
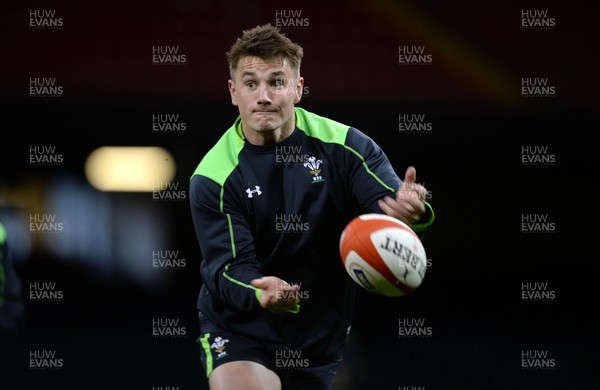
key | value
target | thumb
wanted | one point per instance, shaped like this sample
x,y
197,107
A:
x,y
410,177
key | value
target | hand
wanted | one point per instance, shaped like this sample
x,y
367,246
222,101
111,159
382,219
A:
x,y
408,205
277,295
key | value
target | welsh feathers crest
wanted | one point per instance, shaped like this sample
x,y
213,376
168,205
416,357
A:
x,y
314,167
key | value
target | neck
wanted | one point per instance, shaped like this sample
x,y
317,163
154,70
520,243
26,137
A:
x,y
267,137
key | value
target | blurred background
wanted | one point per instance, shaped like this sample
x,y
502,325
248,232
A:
x,y
495,104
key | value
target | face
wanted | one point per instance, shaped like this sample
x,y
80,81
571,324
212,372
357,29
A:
x,y
265,92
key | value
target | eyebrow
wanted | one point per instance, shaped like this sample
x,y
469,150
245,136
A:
x,y
274,74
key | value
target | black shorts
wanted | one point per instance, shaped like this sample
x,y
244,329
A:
x,y
295,371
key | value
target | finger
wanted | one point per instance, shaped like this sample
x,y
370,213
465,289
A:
x,y
386,204
404,195
410,205
410,176
402,204
285,286
290,301
384,207
408,211
417,191
259,283
415,207
407,207
392,211
422,191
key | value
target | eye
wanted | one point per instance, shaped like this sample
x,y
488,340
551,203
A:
x,y
250,84
278,82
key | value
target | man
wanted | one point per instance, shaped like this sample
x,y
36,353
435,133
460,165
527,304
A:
x,y
269,202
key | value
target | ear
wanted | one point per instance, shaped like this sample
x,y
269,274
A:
x,y
232,90
299,90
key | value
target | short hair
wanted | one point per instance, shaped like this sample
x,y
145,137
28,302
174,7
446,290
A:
x,y
265,42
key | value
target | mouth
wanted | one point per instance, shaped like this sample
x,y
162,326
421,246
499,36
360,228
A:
x,y
263,111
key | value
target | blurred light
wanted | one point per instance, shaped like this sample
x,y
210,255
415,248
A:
x,y
129,168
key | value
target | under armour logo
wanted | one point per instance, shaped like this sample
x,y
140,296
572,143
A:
x,y
256,191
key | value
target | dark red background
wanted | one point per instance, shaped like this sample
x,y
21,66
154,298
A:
x,y
471,163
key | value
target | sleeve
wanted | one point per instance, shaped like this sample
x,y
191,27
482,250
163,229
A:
x,y
12,306
226,243
372,177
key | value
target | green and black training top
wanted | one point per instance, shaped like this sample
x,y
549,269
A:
x,y
279,210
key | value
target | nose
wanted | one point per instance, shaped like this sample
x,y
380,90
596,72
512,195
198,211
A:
x,y
263,95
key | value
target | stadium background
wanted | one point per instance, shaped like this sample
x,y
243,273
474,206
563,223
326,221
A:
x,y
471,161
